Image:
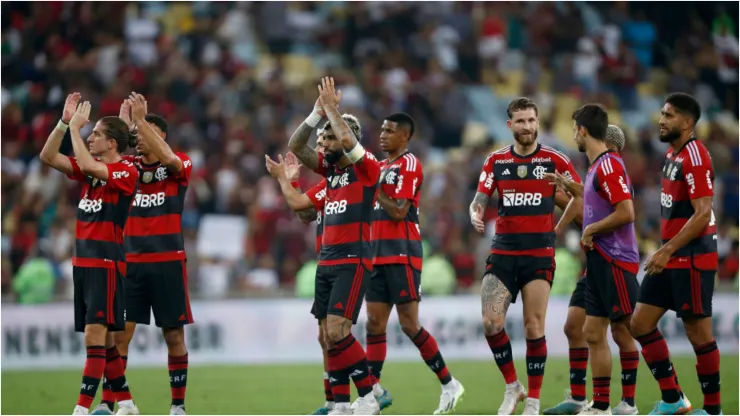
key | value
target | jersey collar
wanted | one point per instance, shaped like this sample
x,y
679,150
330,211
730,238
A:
x,y
691,139
536,150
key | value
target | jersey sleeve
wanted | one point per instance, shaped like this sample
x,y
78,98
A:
x,y
123,176
317,195
613,184
565,166
77,174
487,182
322,167
698,172
409,178
187,168
368,169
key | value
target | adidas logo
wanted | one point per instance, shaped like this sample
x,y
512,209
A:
x,y
182,317
403,293
100,314
506,172
339,306
615,308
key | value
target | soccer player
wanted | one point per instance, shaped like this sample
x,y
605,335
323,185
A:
x,y
629,357
397,261
345,253
522,254
109,185
681,273
156,278
612,259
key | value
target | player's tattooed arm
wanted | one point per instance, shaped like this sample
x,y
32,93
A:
x,y
477,209
307,215
396,208
154,142
298,144
330,103
495,301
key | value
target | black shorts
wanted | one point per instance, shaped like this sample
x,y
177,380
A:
x,y
516,271
688,292
99,297
611,291
159,287
394,284
339,290
578,298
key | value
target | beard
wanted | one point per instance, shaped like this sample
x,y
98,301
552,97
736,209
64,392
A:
x,y
581,146
525,141
670,136
332,158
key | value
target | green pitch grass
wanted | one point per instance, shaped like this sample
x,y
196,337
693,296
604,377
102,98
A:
x,y
298,389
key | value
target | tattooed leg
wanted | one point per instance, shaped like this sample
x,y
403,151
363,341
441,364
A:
x,y
495,301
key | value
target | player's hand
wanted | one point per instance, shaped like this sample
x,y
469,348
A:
x,y
587,238
657,262
327,96
292,167
477,219
70,106
125,114
276,169
138,106
558,180
81,116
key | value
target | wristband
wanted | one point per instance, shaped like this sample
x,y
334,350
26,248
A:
x,y
62,125
313,119
295,184
356,153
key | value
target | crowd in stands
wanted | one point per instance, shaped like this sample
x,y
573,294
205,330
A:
x,y
234,80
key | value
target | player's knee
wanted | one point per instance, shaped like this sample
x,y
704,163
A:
x,y
337,330
698,331
375,323
573,331
322,339
493,324
638,327
175,340
534,327
95,334
593,335
622,336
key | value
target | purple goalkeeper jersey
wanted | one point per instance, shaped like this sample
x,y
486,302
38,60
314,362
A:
x,y
606,185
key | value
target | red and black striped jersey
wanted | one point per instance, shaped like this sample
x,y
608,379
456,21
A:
x,y
154,228
350,193
688,174
102,213
393,241
317,195
525,223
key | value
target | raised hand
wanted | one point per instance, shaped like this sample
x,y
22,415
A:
x,y
477,219
276,169
558,179
292,167
138,106
125,114
81,116
328,97
70,106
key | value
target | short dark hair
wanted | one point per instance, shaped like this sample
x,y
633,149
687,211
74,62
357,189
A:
x,y
403,120
594,118
519,104
117,129
686,104
157,120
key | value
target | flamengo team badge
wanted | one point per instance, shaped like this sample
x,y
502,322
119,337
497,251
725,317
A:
x,y
521,171
147,177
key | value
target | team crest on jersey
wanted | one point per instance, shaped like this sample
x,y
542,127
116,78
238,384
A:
x,y
521,171
147,177
334,181
539,172
161,173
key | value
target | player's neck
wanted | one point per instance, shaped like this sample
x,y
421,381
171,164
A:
x,y
681,142
112,157
396,154
595,150
343,162
524,151
149,159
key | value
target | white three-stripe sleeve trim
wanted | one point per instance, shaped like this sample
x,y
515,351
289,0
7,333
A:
x,y
694,154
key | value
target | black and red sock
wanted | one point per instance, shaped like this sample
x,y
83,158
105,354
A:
x,y
376,351
115,374
91,375
656,354
327,389
347,359
501,348
578,358
429,350
601,392
707,367
536,358
178,367
630,361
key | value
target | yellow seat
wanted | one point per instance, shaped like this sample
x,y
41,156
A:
x,y
512,85
299,69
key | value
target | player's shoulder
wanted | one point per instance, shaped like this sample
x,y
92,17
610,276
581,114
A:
x,y
555,154
696,153
410,162
609,164
502,153
126,163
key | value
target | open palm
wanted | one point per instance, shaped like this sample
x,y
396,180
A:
x,y
70,106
